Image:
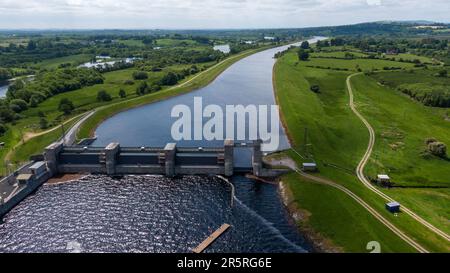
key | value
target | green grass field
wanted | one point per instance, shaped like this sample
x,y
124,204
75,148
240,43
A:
x,y
353,64
411,57
337,54
55,62
131,42
342,211
395,78
175,42
339,138
34,145
5,42
401,127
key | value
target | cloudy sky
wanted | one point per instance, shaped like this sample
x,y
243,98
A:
x,y
182,14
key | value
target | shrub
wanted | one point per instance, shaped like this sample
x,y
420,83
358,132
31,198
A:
x,y
304,45
2,129
140,75
142,89
315,88
43,123
6,114
18,105
128,82
15,108
122,93
154,87
102,95
303,55
442,73
35,100
169,79
66,106
438,149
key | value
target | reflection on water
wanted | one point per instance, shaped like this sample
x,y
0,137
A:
x,y
3,90
149,214
222,48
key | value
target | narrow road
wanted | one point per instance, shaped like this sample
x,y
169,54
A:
x,y
371,210
366,157
71,134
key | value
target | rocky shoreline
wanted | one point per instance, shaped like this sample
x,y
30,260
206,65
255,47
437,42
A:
x,y
301,216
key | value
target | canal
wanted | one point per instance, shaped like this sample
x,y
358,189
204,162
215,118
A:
x,y
155,213
247,82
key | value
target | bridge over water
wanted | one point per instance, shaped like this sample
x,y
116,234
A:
x,y
169,160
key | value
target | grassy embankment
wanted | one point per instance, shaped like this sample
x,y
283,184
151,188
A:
x,y
85,99
337,137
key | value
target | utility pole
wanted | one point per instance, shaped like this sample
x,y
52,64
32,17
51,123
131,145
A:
x,y
63,132
21,137
306,142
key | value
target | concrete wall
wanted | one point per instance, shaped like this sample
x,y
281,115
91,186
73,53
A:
x,y
31,186
170,160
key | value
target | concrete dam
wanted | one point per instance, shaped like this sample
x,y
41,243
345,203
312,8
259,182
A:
x,y
169,160
115,160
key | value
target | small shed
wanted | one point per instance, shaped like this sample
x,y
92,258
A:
x,y
38,168
23,178
383,178
393,207
309,167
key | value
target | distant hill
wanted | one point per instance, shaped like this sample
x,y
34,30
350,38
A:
x,y
396,28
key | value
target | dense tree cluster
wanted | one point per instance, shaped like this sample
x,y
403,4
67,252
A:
x,y
157,59
5,74
239,47
430,47
427,93
48,84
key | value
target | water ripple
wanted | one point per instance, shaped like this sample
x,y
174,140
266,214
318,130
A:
x,y
148,214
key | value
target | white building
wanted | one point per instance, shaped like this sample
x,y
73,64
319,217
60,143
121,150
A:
x,y
383,178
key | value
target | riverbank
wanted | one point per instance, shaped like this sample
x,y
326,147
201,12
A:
x,y
301,217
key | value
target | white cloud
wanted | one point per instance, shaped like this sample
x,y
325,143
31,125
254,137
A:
x,y
211,13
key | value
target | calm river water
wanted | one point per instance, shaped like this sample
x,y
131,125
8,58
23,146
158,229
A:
x,y
3,90
154,213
